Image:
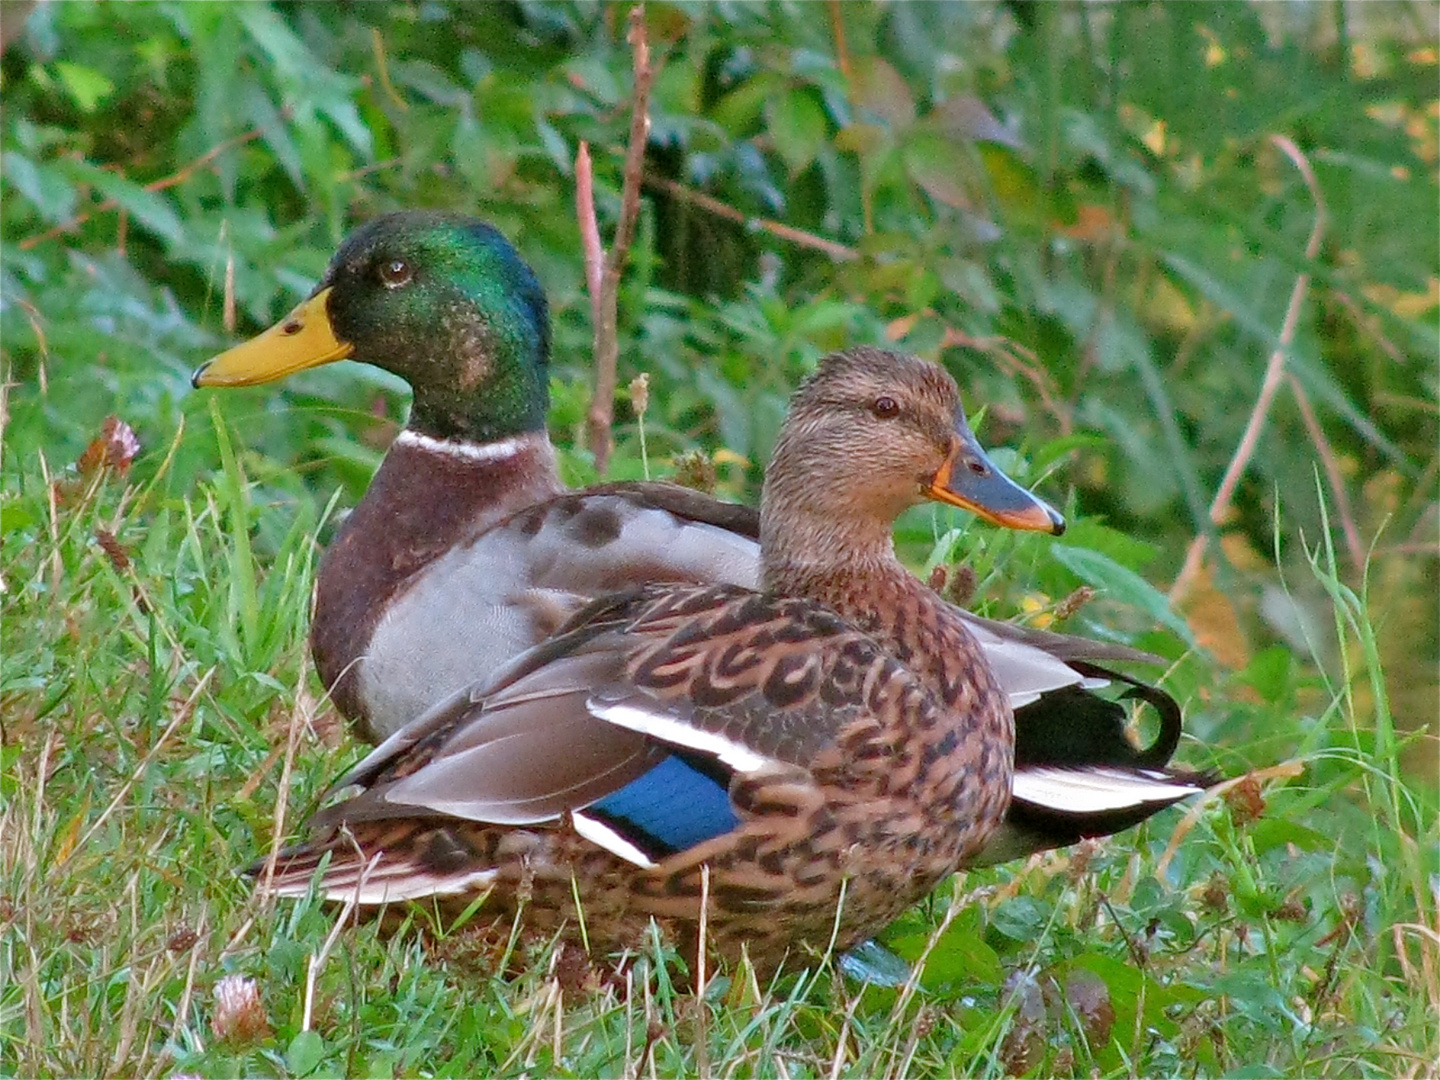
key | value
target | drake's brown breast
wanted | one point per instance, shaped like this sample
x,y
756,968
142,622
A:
x,y
430,586
420,505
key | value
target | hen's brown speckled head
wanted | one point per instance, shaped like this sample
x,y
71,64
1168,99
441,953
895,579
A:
x,y
870,434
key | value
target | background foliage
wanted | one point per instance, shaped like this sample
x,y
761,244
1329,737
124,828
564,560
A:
x,y
1079,208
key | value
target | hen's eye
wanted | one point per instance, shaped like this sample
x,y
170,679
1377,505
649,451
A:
x,y
885,408
394,273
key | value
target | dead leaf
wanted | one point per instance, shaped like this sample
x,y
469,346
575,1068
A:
x,y
1246,801
1089,997
1213,619
1025,1042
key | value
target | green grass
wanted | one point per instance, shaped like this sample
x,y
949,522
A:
x,y
160,720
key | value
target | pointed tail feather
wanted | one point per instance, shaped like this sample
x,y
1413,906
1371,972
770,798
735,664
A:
x,y
1056,806
416,867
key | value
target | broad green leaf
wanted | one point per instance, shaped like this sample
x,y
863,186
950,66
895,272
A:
x,y
1270,832
1116,545
970,280
262,113
740,110
1269,673
860,138
312,84
797,127
939,165
877,86
871,962
1056,450
1017,187
86,85
46,186
150,209
305,1053
1022,918
1118,583
961,956
1255,997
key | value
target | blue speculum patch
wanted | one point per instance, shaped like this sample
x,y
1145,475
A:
x,y
672,807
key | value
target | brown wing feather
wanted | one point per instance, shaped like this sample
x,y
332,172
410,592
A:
x,y
777,677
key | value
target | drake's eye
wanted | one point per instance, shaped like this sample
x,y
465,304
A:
x,y
394,273
885,408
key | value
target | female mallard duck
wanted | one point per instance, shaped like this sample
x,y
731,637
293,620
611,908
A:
x,y
467,550
813,758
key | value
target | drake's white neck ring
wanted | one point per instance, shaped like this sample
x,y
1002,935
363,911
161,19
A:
x,y
499,450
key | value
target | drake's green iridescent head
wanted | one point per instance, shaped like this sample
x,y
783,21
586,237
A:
x,y
441,300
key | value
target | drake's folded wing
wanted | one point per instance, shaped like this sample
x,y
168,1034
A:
x,y
608,539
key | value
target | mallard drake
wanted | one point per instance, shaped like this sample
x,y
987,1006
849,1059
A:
x,y
467,549
813,758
